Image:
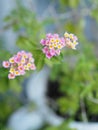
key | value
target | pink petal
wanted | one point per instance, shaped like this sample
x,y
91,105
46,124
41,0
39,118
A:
x,y
58,52
49,35
11,76
33,67
43,41
17,59
56,35
48,55
52,52
45,50
22,72
29,55
6,64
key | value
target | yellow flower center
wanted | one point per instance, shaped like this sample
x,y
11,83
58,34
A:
x,y
66,34
52,40
71,36
26,67
23,60
24,56
57,40
55,44
29,64
16,73
12,70
59,46
50,47
11,60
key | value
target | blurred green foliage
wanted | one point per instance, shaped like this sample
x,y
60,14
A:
x,y
63,126
77,81
77,74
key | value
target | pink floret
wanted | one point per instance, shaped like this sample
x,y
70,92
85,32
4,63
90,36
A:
x,y
6,64
48,55
43,42
49,35
11,76
33,67
45,50
52,52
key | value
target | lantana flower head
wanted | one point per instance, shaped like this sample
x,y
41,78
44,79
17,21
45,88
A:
x,y
19,63
70,40
52,45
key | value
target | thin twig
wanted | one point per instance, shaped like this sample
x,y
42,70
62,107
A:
x,y
94,100
3,29
84,114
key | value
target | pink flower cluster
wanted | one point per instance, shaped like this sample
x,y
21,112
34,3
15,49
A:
x,y
70,40
52,45
19,63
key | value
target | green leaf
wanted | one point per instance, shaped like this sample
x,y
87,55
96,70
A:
x,y
3,84
15,85
69,3
3,72
4,55
25,43
94,14
7,18
39,58
73,3
54,60
85,91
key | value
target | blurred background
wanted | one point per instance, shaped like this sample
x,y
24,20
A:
x,y
61,95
